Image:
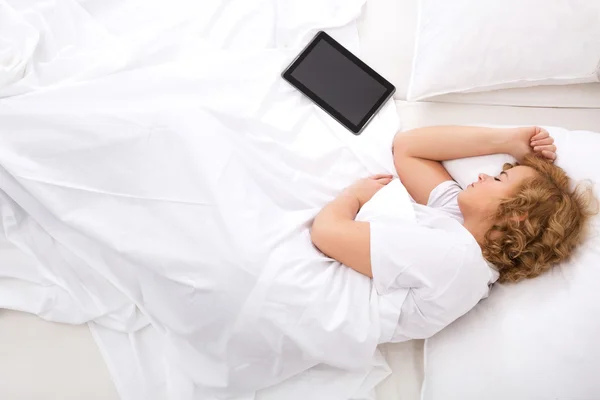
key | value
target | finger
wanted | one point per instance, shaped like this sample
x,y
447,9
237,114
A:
x,y
542,134
549,155
380,176
384,181
542,142
550,148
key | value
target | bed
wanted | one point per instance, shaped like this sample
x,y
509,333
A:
x,y
41,359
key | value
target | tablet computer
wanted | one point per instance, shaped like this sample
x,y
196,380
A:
x,y
338,82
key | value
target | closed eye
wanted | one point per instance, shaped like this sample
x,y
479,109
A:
x,y
497,179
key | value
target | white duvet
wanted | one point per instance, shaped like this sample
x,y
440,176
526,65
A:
x,y
167,189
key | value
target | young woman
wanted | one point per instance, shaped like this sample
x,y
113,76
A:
x,y
508,227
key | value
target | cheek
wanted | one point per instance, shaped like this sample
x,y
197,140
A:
x,y
488,199
496,196
484,200
503,192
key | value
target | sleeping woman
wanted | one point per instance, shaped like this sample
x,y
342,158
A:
x,y
508,227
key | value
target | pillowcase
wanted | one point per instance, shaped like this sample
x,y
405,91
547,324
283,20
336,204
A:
x,y
466,45
537,339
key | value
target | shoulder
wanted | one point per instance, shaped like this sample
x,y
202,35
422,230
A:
x,y
446,289
443,194
417,256
459,258
444,198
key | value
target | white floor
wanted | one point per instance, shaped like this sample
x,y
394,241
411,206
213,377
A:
x,y
406,361
68,366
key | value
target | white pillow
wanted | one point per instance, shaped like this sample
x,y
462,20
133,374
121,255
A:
x,y
477,45
538,339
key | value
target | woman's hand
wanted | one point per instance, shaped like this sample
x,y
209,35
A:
x,y
365,189
532,139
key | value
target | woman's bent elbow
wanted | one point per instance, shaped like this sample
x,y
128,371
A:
x,y
321,236
400,144
316,234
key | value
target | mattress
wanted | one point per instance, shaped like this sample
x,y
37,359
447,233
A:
x,y
413,115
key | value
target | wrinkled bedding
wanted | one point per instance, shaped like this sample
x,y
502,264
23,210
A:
x,y
166,188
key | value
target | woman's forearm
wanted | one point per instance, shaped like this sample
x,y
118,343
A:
x,y
339,236
442,143
344,207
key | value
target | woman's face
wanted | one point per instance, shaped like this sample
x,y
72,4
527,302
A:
x,y
482,198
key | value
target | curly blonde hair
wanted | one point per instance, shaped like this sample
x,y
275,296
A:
x,y
540,225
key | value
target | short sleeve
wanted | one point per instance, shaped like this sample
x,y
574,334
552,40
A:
x,y
409,255
443,272
444,197
444,194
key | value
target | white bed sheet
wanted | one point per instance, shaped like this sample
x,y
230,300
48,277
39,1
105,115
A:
x,y
109,144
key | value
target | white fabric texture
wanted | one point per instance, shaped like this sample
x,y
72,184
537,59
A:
x,y
431,259
46,43
387,37
483,45
60,43
168,199
387,41
444,197
539,337
17,43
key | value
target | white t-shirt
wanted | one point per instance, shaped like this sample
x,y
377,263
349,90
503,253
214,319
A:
x,y
427,265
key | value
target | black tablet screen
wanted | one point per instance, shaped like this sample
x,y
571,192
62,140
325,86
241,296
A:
x,y
340,83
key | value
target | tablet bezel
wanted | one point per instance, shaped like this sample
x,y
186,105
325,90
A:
x,y
322,36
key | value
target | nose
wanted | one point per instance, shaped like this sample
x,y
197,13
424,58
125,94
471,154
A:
x,y
482,177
